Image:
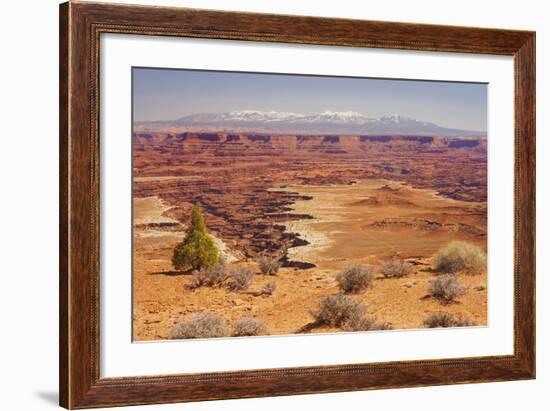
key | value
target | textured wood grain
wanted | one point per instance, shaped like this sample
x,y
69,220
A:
x,y
525,202
63,205
80,27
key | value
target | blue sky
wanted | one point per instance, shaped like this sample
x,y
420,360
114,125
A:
x,y
166,94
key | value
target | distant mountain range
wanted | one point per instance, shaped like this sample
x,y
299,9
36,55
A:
x,y
328,122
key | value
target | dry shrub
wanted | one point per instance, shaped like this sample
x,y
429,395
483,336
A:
x,y
437,320
248,326
460,256
268,265
213,277
446,288
462,321
269,288
360,322
337,310
445,320
200,325
241,278
342,311
354,279
396,268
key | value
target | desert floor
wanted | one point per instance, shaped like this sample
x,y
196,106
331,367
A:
x,y
366,222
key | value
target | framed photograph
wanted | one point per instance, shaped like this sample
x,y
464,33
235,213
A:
x,y
259,205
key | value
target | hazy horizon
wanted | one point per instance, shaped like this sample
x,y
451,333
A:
x,y
168,94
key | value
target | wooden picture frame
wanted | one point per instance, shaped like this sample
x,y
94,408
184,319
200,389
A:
x,y
80,27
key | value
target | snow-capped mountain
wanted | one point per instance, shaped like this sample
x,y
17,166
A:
x,y
347,122
245,116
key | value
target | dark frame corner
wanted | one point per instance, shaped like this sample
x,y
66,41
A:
x,y
80,27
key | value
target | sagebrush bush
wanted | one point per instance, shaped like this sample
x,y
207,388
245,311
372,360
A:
x,y
200,325
354,279
360,322
461,257
396,268
445,320
248,326
337,309
208,277
240,278
269,288
446,288
437,320
462,321
268,265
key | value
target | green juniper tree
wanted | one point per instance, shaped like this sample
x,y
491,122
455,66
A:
x,y
197,249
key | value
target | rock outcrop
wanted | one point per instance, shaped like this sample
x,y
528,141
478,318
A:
x,y
235,176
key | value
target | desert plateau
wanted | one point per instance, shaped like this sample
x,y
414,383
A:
x,y
303,222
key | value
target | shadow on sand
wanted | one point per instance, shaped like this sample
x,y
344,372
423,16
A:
x,y
441,300
309,327
172,273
